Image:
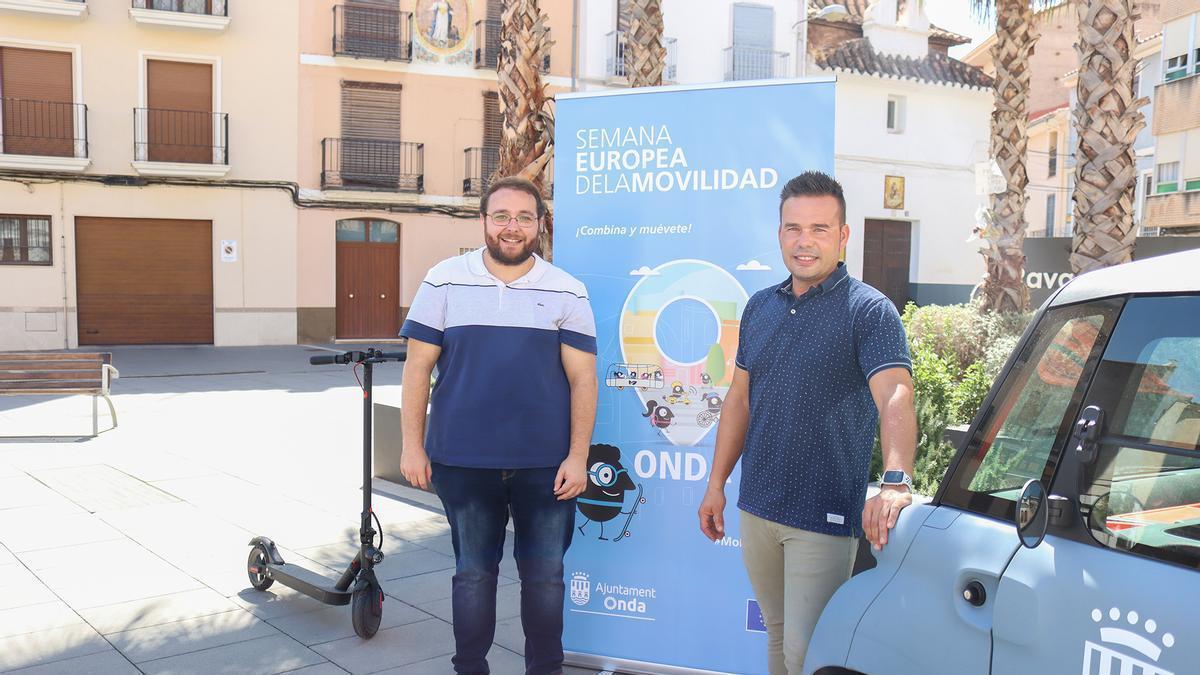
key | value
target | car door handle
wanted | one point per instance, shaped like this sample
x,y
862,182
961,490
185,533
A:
x,y
974,593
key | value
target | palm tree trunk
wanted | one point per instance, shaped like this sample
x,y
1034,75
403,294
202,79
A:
x,y
1107,122
1004,287
645,55
527,136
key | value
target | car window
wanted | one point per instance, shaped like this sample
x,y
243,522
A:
x,y
1143,492
1028,420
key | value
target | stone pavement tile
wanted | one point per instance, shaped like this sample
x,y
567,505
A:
x,y
441,544
334,623
21,491
275,602
147,612
55,644
510,635
420,589
31,529
392,647
34,618
6,558
412,563
508,604
264,656
19,587
337,556
99,487
101,553
416,530
155,465
83,587
190,635
102,663
319,669
500,661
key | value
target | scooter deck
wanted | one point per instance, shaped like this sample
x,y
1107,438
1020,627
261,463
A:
x,y
304,580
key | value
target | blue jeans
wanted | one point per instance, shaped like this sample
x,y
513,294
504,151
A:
x,y
478,503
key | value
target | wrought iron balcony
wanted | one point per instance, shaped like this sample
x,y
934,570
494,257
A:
x,y
753,63
487,43
43,128
205,7
372,33
180,136
479,165
615,64
372,164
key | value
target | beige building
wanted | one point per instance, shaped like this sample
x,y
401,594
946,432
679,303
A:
x,y
240,172
146,154
1174,202
399,127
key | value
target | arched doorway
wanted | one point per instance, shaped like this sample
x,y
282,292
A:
x,y
368,278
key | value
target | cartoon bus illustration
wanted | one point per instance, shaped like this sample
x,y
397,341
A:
x,y
644,376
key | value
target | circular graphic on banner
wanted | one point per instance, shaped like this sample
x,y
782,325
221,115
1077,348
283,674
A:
x,y
679,336
442,26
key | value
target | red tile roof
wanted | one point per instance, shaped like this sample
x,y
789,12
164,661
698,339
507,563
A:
x,y
859,56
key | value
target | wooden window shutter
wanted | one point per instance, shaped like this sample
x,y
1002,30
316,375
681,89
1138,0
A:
x,y
35,102
371,110
492,122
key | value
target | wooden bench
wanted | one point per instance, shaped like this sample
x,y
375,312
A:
x,y
58,373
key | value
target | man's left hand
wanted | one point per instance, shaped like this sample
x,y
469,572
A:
x,y
571,479
882,511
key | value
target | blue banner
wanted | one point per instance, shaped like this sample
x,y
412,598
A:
x,y
666,207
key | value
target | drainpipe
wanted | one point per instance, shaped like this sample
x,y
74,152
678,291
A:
x,y
574,44
62,260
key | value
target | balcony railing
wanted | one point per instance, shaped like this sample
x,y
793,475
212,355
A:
x,y
615,65
205,7
43,128
372,33
487,43
182,136
370,164
479,165
753,63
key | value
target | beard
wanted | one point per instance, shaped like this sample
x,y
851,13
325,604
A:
x,y
496,250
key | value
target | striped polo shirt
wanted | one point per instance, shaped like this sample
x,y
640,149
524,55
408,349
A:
x,y
501,399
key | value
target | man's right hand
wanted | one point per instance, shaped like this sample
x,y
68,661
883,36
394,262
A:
x,y
712,514
415,467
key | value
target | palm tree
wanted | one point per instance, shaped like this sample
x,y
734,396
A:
x,y
1107,121
645,55
1004,287
527,135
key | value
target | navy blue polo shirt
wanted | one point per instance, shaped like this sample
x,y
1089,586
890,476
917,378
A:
x,y
807,455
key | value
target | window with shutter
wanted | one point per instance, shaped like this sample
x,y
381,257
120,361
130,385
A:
x,y
36,102
370,148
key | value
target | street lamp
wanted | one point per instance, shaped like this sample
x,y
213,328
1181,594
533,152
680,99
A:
x,y
827,13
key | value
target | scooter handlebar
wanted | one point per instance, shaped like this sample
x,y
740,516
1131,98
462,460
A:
x,y
374,355
393,356
324,360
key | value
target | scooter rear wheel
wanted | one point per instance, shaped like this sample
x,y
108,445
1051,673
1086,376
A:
x,y
256,566
367,610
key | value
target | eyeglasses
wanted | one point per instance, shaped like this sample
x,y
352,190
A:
x,y
523,219
605,475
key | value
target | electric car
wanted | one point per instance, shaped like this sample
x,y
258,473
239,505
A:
x,y
1065,536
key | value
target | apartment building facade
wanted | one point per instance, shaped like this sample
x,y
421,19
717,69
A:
x,y
1173,208
399,131
142,186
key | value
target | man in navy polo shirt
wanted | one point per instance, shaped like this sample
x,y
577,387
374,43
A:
x,y
510,419
822,358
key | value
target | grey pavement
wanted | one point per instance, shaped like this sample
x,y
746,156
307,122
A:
x,y
126,553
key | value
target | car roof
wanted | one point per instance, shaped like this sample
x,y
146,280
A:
x,y
1171,273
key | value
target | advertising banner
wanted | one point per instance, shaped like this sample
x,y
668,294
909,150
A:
x,y
667,208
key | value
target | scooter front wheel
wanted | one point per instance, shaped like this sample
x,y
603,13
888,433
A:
x,y
256,568
367,609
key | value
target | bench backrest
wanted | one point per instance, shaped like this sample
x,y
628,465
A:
x,y
53,372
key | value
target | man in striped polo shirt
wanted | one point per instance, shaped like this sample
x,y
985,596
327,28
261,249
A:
x,y
510,419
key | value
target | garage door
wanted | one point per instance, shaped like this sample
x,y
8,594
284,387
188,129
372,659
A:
x,y
144,281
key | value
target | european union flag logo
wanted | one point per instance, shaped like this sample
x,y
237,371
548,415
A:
x,y
754,618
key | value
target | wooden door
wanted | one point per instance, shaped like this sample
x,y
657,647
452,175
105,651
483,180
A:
x,y
368,280
37,102
144,281
179,119
886,250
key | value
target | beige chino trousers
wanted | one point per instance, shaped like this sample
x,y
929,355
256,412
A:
x,y
794,572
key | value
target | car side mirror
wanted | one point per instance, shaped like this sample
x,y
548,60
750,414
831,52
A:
x,y
1032,514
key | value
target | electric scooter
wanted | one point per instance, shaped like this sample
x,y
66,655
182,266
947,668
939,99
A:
x,y
357,584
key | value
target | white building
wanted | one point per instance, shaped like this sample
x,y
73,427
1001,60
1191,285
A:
x,y
911,121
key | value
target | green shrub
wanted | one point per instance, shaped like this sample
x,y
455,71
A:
x,y
957,352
